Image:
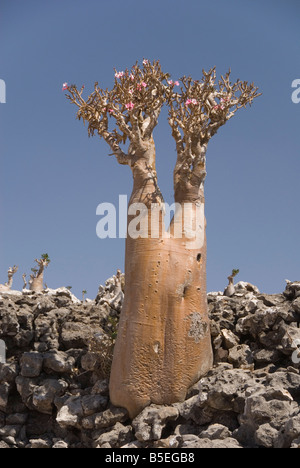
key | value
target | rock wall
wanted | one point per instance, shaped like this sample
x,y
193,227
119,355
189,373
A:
x,y
54,384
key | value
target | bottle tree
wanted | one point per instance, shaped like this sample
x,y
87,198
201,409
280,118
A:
x,y
36,282
163,345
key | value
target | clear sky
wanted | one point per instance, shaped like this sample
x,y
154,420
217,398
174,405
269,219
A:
x,y
53,176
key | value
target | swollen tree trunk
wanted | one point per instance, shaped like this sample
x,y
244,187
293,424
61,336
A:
x,y
37,282
163,345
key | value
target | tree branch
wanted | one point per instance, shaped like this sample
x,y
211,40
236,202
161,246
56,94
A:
x,y
128,112
197,113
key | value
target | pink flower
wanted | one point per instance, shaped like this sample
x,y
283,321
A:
x,y
111,111
188,102
145,62
119,74
173,83
65,86
129,105
131,76
219,107
142,85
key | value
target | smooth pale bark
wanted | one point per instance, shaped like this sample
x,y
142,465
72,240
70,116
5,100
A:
x,y
37,283
7,286
163,345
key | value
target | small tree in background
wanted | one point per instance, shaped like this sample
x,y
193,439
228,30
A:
x,y
163,344
10,274
84,292
37,277
230,290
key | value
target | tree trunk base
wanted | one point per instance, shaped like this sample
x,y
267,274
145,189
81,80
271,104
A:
x,y
164,344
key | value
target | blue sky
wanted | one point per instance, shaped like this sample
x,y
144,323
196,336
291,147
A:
x,y
53,176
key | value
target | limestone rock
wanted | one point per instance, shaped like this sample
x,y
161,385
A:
x,y
31,364
216,431
51,394
118,436
149,424
58,362
105,419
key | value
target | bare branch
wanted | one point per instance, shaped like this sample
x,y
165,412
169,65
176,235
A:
x,y
199,110
128,112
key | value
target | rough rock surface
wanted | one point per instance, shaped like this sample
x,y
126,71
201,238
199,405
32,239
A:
x,y
54,391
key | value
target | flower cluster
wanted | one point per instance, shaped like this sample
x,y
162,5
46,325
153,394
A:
x,y
119,74
219,107
173,83
129,105
142,85
65,86
188,102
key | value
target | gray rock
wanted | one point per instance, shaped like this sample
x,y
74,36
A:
x,y
216,431
70,413
9,325
31,364
118,436
133,445
44,395
4,394
89,361
17,419
242,285
74,335
228,443
101,387
149,424
263,408
47,330
292,290
105,419
241,356
225,390
26,387
188,440
39,444
10,431
60,444
288,433
296,305
8,372
183,429
265,436
258,406
230,340
59,362
4,445
92,404
40,395
266,356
